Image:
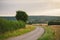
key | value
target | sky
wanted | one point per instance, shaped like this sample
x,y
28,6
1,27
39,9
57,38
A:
x,y
31,7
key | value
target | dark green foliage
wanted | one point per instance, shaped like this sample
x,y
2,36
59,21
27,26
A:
x,y
30,23
7,25
54,23
21,15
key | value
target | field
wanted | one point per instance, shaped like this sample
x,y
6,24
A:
x,y
48,30
56,29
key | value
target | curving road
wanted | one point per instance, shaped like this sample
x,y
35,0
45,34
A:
x,y
33,35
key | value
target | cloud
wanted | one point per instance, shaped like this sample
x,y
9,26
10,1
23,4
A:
x,y
32,7
52,12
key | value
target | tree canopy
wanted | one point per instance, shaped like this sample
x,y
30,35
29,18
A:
x,y
21,15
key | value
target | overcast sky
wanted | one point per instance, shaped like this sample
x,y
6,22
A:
x,y
31,7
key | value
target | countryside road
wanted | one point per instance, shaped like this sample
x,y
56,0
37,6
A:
x,y
33,35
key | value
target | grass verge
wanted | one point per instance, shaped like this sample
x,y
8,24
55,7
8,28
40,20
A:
x,y
48,35
16,32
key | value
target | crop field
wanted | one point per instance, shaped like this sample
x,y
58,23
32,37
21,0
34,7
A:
x,y
56,29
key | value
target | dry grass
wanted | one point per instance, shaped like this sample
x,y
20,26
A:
x,y
56,29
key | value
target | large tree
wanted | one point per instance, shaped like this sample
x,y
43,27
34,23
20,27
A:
x,y
21,15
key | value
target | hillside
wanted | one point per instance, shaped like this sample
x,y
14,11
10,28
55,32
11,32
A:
x,y
39,19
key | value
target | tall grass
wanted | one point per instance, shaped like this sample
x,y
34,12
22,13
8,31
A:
x,y
48,35
16,32
10,28
8,25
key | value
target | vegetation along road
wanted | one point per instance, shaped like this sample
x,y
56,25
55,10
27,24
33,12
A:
x,y
33,35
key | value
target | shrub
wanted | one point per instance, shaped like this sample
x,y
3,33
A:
x,y
3,25
54,23
7,25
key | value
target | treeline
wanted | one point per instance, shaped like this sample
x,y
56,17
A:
x,y
54,23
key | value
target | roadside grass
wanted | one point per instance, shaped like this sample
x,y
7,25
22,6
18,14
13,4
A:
x,y
56,28
17,32
48,35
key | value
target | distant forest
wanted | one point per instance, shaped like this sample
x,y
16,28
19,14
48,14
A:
x,y
37,19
